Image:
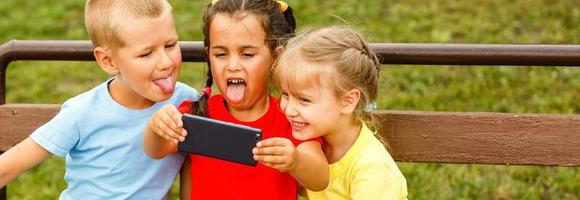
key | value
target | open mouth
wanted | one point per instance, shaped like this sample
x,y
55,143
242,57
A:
x,y
236,81
236,90
298,125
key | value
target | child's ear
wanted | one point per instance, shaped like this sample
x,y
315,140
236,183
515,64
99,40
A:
x,y
104,58
349,101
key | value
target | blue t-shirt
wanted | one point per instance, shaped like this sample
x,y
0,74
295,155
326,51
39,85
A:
x,y
103,145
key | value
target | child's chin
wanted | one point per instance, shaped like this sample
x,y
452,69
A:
x,y
300,136
162,97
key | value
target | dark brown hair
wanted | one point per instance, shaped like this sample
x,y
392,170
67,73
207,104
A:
x,y
277,21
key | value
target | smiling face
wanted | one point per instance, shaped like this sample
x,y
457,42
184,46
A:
x,y
313,107
148,65
240,60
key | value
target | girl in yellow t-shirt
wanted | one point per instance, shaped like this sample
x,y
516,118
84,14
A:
x,y
328,77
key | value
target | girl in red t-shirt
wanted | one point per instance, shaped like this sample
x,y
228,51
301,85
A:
x,y
242,40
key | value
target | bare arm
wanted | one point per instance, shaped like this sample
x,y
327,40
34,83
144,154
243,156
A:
x,y
311,170
185,180
20,158
306,163
163,132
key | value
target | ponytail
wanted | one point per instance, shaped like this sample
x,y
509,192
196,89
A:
x,y
289,16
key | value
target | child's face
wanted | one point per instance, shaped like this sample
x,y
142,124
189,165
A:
x,y
240,59
148,65
312,110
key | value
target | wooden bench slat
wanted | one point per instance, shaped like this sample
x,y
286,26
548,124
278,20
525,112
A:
x,y
17,121
440,137
483,138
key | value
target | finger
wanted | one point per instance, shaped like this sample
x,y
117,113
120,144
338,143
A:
x,y
272,142
176,116
168,119
183,133
282,166
168,138
269,165
270,150
271,159
171,137
169,133
163,121
255,151
173,122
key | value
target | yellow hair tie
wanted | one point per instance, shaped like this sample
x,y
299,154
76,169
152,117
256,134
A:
x,y
283,5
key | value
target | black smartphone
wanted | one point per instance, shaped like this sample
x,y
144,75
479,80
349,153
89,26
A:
x,y
219,139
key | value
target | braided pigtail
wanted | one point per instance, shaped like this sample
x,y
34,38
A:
x,y
200,106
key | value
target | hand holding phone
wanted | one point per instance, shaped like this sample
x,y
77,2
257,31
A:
x,y
219,139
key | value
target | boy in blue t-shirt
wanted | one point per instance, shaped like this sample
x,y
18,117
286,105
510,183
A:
x,y
101,131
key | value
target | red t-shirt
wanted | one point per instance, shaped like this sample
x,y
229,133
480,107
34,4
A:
x,y
218,179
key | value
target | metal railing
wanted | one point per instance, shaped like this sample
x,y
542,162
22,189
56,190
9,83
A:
x,y
388,53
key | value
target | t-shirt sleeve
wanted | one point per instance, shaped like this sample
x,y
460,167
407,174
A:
x,y
377,181
185,106
184,92
60,134
296,142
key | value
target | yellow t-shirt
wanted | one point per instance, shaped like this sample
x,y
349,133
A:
x,y
367,171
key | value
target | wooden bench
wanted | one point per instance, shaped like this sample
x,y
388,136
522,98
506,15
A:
x,y
414,136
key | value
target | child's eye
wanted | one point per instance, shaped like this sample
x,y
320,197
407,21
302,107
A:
x,y
219,54
143,55
284,95
303,100
169,46
247,55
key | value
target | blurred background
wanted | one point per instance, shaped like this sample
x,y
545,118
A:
x,y
554,90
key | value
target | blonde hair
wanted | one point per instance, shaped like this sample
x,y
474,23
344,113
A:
x,y
338,51
104,18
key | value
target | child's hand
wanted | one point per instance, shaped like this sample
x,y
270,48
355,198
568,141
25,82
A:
x,y
277,153
167,123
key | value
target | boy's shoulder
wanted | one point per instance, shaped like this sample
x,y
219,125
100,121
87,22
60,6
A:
x,y
89,97
184,91
182,86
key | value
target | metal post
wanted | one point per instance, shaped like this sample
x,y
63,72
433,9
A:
x,y
4,193
5,58
2,83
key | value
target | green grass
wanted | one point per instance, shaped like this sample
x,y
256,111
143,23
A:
x,y
428,88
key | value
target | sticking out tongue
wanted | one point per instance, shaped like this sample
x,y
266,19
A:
x,y
165,84
235,92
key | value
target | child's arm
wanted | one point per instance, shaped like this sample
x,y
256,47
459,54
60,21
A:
x,y
306,163
163,132
185,180
20,158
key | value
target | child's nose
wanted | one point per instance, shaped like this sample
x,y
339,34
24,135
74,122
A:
x,y
234,64
165,61
290,110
